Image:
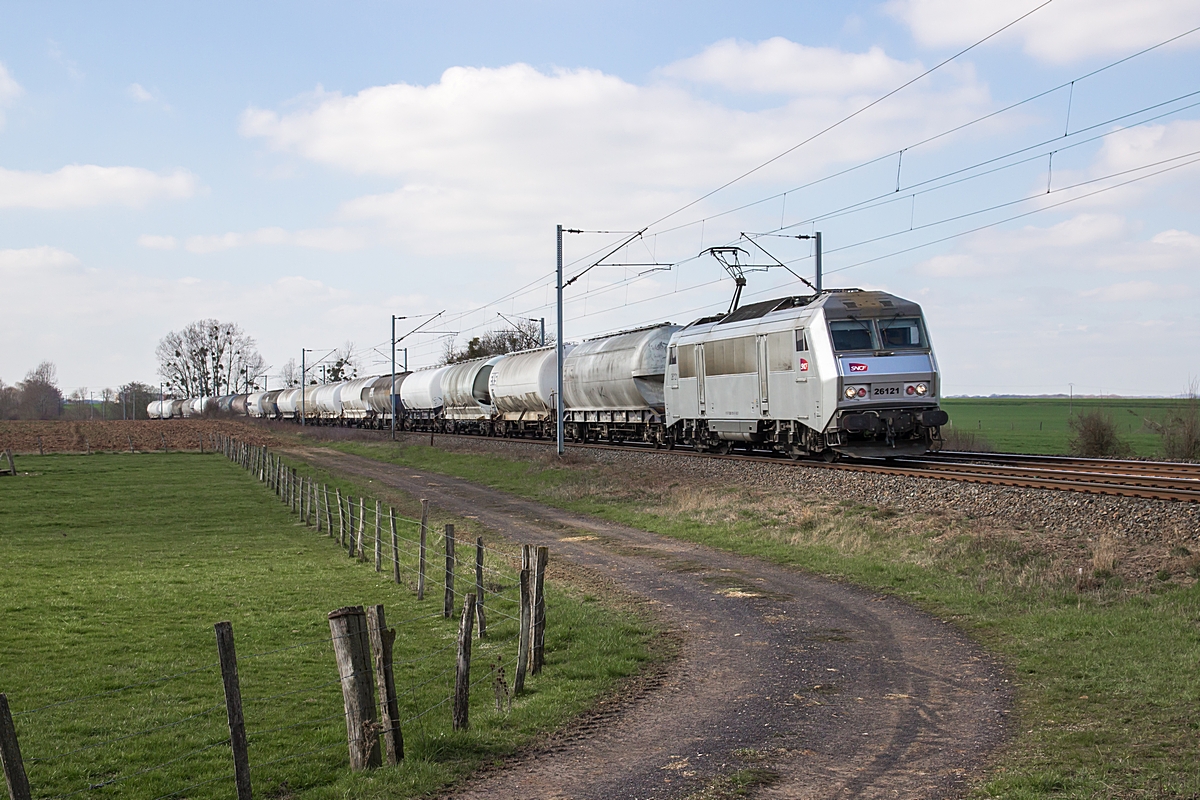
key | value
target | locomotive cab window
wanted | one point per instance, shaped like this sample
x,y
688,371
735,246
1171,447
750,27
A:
x,y
801,341
671,357
853,334
687,360
902,333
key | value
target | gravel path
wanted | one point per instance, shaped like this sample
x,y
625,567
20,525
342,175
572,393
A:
x,y
832,691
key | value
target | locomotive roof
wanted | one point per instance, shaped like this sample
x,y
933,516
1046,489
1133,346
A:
x,y
837,304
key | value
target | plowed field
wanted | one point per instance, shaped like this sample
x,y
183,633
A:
x,y
63,436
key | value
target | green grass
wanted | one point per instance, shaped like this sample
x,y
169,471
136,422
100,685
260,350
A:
x,y
116,567
1108,698
1041,425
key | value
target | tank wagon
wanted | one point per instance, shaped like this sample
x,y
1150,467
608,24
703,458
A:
x,y
843,371
613,386
523,387
466,396
421,394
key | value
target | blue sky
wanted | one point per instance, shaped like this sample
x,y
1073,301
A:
x,y
306,170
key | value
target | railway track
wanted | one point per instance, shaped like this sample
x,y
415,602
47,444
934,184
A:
x,y
1152,480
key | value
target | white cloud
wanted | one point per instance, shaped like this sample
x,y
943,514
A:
x,y
152,242
332,239
484,157
1125,292
1064,31
87,185
139,93
1181,239
1085,243
781,66
101,326
1145,151
1147,144
34,261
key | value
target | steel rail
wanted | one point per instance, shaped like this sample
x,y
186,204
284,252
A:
x,y
1136,479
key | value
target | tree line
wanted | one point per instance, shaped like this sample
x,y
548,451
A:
x,y
39,397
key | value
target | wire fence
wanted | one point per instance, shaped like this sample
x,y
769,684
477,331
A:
x,y
289,720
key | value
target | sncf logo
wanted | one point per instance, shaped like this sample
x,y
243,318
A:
x,y
804,365
857,367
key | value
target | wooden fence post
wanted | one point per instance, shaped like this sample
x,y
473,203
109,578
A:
x,y
421,552
378,544
523,636
448,605
233,707
362,527
317,500
130,438
479,587
12,466
385,682
395,546
539,611
328,513
352,650
40,451
341,537
462,673
350,525
10,755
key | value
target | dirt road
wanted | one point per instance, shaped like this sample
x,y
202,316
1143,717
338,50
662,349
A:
x,y
827,691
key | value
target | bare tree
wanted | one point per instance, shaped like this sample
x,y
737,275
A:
x,y
289,373
40,396
344,366
10,401
208,358
523,335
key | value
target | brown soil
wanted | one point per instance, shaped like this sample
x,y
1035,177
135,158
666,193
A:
x,y
63,436
825,690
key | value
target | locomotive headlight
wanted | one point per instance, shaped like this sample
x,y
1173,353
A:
x,y
922,389
851,393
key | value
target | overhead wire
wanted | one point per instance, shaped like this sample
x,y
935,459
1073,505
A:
x,y
852,115
893,153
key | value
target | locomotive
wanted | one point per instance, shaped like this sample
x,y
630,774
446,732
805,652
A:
x,y
839,372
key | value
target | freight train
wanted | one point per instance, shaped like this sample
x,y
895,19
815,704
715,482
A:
x,y
843,371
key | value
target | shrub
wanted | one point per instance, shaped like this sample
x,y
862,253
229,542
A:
x,y
1095,436
964,441
1181,432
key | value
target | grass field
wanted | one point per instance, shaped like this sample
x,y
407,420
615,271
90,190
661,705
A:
x,y
1041,425
116,567
1108,695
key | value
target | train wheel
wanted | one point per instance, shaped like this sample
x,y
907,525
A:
x,y
830,455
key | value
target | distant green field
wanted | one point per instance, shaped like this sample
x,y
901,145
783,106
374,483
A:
x,y
1041,425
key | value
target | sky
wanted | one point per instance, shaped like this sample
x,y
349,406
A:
x,y
309,170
